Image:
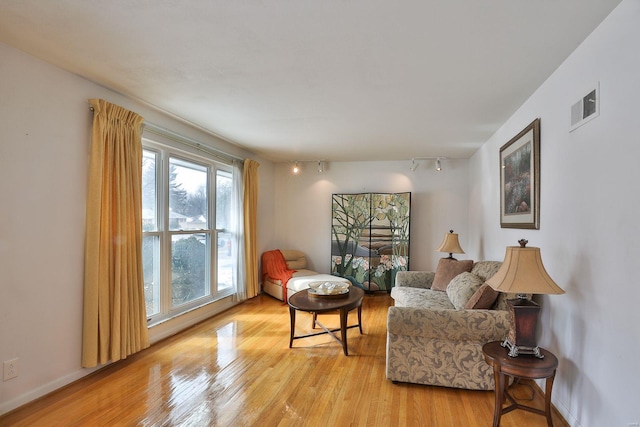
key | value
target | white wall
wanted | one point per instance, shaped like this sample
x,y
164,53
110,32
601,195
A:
x,y
303,205
45,126
589,230
589,221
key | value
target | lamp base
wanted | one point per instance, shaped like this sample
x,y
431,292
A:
x,y
516,350
522,331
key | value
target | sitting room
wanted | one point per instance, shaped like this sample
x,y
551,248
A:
x,y
501,121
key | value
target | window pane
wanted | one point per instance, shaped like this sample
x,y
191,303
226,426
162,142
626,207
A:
x,y
189,267
151,270
149,191
188,199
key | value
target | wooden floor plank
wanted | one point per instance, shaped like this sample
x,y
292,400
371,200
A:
x,y
237,369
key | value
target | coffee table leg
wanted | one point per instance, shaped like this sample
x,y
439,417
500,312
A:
x,y
292,318
360,318
343,330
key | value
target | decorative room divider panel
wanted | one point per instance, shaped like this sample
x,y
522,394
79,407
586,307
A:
x,y
370,238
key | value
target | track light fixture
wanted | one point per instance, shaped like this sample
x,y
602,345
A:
x,y
415,164
296,168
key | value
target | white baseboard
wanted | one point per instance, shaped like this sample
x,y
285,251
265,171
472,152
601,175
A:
x,y
45,389
156,333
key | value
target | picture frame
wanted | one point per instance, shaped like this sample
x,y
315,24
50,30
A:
x,y
520,179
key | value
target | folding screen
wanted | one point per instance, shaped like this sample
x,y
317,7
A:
x,y
370,238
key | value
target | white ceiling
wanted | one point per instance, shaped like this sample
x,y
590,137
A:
x,y
316,79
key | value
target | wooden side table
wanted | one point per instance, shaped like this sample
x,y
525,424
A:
x,y
523,366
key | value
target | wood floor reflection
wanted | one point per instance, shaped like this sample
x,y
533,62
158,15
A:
x,y
236,370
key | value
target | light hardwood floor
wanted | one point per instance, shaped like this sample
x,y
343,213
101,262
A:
x,y
236,369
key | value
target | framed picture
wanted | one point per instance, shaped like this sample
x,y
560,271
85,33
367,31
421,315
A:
x,y
520,179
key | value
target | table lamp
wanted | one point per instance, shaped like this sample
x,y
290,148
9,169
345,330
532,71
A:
x,y
450,244
522,273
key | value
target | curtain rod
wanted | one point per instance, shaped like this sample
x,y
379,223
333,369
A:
x,y
181,139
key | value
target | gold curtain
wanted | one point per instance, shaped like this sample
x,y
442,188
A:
x,y
250,191
115,321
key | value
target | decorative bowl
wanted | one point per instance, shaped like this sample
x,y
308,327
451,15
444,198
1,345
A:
x,y
328,288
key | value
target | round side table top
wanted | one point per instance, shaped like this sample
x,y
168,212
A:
x,y
522,366
302,301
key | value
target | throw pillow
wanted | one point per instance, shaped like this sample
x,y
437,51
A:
x,y
462,288
448,269
483,298
501,301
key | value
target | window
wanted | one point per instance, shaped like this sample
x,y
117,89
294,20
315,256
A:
x,y
186,224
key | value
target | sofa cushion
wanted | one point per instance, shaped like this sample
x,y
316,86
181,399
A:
x,y
462,288
484,298
486,269
448,269
296,260
420,298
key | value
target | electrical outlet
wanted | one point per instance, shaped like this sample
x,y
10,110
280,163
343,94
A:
x,y
9,369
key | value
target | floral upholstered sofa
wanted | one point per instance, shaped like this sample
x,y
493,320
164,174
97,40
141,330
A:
x,y
434,336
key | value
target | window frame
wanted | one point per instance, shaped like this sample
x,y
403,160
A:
x,y
164,152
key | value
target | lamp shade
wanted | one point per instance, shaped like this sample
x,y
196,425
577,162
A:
x,y
522,272
450,244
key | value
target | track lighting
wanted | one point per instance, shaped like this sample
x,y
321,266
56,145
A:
x,y
296,168
415,163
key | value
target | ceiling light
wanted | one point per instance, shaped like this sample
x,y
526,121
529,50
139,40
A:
x,y
414,165
320,166
438,165
296,168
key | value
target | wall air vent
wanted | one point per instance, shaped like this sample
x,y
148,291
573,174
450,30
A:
x,y
586,109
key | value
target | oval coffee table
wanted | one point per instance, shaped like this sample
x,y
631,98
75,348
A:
x,y
302,301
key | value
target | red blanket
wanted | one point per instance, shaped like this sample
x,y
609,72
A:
x,y
275,266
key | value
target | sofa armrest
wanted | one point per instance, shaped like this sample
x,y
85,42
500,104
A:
x,y
415,279
453,325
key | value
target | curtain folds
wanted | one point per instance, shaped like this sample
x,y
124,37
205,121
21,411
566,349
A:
x,y
250,198
237,216
115,322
